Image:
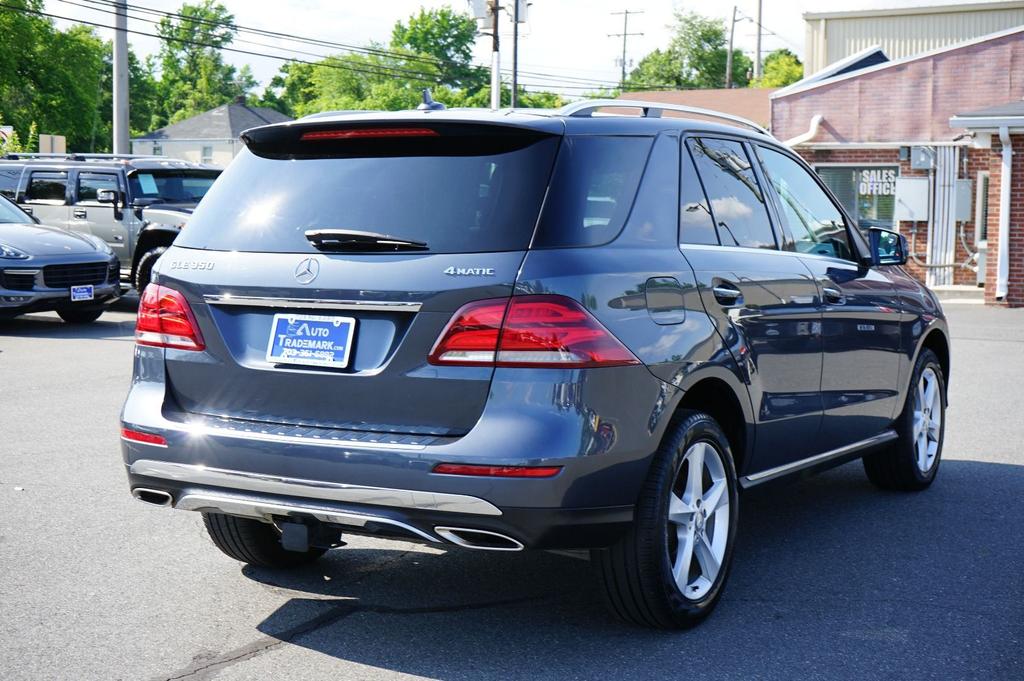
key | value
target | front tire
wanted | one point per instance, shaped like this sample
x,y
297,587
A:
x,y
669,569
912,461
254,542
80,315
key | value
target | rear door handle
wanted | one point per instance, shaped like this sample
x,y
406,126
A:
x,y
833,296
79,213
727,294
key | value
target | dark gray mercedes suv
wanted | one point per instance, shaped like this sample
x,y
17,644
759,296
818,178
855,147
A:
x,y
589,328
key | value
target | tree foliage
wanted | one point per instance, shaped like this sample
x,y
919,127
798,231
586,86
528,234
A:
x,y
696,57
781,68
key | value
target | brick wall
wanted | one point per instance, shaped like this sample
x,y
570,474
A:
x,y
1015,290
977,159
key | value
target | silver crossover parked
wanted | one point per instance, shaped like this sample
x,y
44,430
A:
x,y
50,268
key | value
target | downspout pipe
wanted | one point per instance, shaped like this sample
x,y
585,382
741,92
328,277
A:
x,y
1005,182
812,131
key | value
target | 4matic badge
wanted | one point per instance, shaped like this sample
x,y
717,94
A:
x,y
469,271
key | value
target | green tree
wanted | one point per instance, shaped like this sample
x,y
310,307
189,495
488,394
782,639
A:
x,y
193,75
447,37
781,68
695,58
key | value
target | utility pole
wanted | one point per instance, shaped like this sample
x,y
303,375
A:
x,y
728,57
121,77
624,35
515,53
495,7
757,50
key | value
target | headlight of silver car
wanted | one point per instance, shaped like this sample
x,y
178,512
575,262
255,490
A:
x,y
12,253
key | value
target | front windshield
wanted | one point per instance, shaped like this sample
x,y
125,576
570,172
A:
x,y
172,186
11,213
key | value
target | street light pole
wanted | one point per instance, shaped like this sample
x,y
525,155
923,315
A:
x,y
728,57
121,78
495,57
515,53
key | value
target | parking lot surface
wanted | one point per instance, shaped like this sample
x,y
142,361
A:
x,y
832,577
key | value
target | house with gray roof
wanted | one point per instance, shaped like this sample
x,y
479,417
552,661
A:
x,y
210,137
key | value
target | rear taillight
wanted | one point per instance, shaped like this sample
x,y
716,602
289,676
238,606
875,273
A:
x,y
366,133
165,320
144,438
528,331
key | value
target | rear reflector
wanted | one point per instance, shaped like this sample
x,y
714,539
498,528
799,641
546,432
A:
x,y
497,471
528,331
165,320
145,438
367,133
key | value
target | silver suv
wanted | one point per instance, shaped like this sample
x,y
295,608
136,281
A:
x,y
136,204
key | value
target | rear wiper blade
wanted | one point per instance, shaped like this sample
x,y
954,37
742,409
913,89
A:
x,y
354,240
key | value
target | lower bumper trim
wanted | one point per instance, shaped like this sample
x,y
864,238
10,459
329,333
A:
x,y
313,489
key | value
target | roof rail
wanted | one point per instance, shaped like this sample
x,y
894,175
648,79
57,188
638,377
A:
x,y
587,107
17,156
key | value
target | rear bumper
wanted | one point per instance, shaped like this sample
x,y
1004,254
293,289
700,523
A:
x,y
383,512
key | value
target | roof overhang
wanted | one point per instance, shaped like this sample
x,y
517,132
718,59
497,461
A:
x,y
1014,124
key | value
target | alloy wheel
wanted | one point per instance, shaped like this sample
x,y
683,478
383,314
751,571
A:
x,y
698,520
927,419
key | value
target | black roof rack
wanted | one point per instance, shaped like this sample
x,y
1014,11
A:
x,y
17,156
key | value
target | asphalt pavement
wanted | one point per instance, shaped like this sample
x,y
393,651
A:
x,y
833,579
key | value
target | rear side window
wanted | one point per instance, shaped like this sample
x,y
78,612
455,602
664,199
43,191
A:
x,y
592,190
458,191
48,187
815,222
737,202
9,177
91,183
696,226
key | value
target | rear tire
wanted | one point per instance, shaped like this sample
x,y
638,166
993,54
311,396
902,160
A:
x,y
912,461
254,542
80,315
669,569
144,270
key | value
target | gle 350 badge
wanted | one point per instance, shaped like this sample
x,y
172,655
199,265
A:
x,y
191,265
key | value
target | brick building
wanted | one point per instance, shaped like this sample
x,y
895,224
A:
x,y
916,144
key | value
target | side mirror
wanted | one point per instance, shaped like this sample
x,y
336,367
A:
x,y
887,247
106,196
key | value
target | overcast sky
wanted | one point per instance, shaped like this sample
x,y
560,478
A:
x,y
561,38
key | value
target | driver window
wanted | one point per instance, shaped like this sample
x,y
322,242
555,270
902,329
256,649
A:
x,y
90,184
817,226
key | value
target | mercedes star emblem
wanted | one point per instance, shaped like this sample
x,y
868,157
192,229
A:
x,y
307,270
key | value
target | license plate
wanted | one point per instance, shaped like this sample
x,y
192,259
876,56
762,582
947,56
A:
x,y
79,293
316,340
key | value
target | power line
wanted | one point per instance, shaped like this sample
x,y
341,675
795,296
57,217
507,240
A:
x,y
536,75
624,35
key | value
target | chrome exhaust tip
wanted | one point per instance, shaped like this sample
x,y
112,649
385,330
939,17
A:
x,y
482,540
155,497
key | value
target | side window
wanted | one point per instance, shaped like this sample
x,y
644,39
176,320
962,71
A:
x,y
9,177
90,183
816,223
48,187
737,202
696,226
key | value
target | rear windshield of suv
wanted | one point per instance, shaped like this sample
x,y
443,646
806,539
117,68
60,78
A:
x,y
457,192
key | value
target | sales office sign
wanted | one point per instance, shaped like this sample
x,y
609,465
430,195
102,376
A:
x,y
878,181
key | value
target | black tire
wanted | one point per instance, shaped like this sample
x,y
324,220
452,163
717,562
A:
x,y
895,467
637,571
254,542
144,270
80,315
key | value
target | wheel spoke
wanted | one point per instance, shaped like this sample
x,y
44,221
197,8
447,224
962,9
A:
x,y
706,557
918,423
714,497
679,512
930,391
684,557
695,475
922,451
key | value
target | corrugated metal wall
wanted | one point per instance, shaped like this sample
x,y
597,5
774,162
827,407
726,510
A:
x,y
829,40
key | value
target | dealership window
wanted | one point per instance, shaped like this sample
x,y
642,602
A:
x,y
981,209
207,155
868,193
158,150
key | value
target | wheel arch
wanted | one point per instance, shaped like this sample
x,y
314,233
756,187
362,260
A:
x,y
936,340
152,236
720,394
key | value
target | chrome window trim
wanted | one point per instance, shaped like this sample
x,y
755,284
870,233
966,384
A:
x,y
321,303
313,489
771,473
